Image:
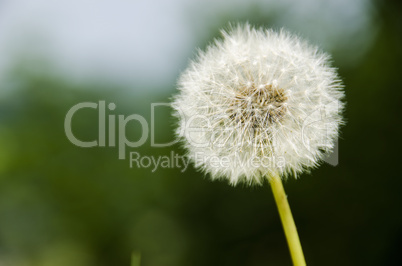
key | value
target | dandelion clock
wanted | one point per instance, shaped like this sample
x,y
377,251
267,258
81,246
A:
x,y
260,105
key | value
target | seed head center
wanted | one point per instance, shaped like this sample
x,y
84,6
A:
x,y
259,106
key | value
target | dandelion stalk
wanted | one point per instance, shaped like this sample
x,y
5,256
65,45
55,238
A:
x,y
288,223
136,259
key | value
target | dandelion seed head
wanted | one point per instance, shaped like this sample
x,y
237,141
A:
x,y
258,102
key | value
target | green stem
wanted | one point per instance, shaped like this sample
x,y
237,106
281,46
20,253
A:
x,y
135,259
288,223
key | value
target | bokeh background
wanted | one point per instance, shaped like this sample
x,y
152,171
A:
x,y
65,205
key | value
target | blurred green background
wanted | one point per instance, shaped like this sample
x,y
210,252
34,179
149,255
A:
x,y
65,205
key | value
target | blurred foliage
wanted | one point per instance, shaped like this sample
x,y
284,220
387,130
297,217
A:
x,y
65,205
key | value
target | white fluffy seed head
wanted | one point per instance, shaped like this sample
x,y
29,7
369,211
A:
x,y
258,102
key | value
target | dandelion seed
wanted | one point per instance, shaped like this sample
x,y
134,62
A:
x,y
265,102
